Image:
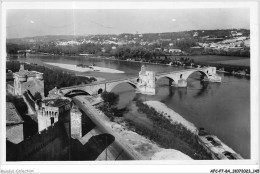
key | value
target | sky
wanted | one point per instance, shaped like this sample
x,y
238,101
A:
x,y
28,22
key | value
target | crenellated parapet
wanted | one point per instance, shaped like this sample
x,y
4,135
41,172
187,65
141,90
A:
x,y
52,109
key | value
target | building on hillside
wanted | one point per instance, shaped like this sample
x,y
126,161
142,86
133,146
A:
x,y
52,109
247,43
28,80
196,50
166,50
103,50
174,50
213,45
146,82
14,124
158,49
195,34
236,34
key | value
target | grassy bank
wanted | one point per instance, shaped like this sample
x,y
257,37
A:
x,y
175,136
169,136
108,107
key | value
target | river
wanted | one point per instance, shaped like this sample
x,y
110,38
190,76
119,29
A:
x,y
222,109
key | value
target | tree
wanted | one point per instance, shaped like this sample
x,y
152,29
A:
x,y
37,96
110,98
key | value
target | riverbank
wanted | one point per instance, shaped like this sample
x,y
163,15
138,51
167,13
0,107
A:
x,y
87,69
168,135
241,69
170,132
171,115
98,79
218,148
146,147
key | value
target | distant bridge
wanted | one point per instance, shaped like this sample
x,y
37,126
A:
x,y
99,87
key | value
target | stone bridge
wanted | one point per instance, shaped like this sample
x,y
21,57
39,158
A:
x,y
176,76
99,87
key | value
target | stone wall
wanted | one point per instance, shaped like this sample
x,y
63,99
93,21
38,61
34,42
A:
x,y
51,145
76,123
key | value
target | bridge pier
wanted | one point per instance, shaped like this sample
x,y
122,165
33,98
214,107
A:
x,y
182,83
171,82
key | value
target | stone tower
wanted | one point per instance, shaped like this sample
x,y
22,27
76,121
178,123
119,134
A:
x,y
146,81
51,110
28,80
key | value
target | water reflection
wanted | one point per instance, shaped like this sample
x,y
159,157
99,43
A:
x,y
203,90
182,92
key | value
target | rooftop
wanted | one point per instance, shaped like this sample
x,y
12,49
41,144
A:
x,y
12,115
27,73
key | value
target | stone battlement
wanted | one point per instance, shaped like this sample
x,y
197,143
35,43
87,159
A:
x,y
52,109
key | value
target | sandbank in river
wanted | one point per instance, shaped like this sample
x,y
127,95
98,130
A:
x,y
85,69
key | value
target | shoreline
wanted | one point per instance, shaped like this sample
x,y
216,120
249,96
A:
x,y
109,58
142,145
146,147
98,79
173,116
80,69
114,59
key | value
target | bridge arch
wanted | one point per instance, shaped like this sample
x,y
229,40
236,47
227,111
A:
x,y
165,76
200,71
114,85
76,92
